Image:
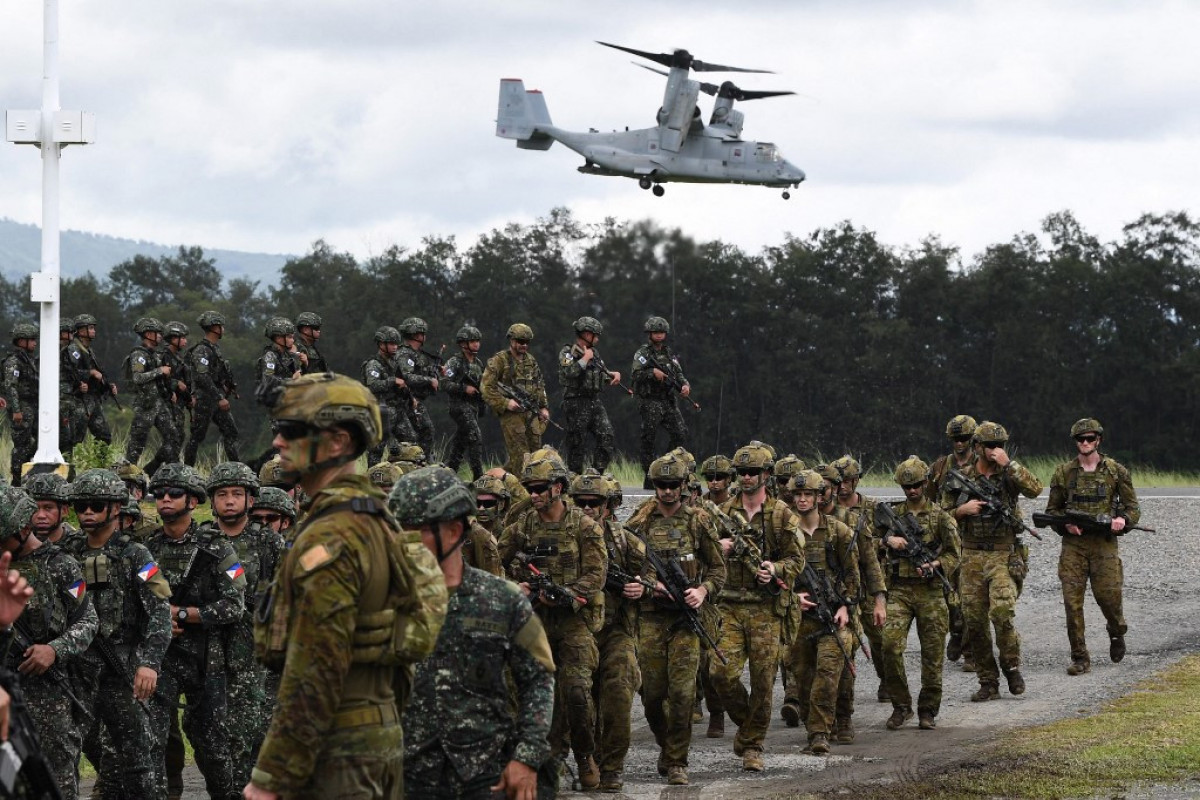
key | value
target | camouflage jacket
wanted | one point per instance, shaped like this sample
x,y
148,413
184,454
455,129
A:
x,y
576,558
459,374
939,534
379,375
20,386
645,360
274,366
461,707
418,371
131,596
689,535
580,380
78,362
59,613
1012,481
258,550
316,361
870,571
480,550
1107,490
142,372
831,551
211,375
179,373
523,373
776,533
628,553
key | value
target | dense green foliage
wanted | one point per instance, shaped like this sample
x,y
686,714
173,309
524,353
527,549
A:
x,y
830,343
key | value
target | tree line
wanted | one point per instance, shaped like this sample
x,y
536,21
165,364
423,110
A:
x,y
829,343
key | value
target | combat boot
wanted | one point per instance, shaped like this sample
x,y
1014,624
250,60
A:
x,y
662,763
1116,648
819,746
677,776
752,760
926,721
1079,666
898,718
882,695
589,773
791,714
843,730
954,647
968,663
987,691
716,725
698,711
611,782
1016,684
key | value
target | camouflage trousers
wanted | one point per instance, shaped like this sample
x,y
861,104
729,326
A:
x,y
668,656
89,416
205,722
655,414
366,761
586,415
153,412
421,424
68,412
1095,559
873,633
248,701
575,660
989,600
24,438
617,680
396,429
818,660
125,771
712,698
205,412
921,601
522,434
58,730
750,632
959,627
468,439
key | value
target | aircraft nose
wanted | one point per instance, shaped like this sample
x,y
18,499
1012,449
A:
x,y
793,172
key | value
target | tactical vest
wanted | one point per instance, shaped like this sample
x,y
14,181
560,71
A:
x,y
50,606
1093,492
904,568
989,530
646,359
147,360
414,363
565,566
107,572
586,382
740,577
256,558
461,373
672,537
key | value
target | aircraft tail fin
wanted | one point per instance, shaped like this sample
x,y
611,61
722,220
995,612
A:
x,y
520,115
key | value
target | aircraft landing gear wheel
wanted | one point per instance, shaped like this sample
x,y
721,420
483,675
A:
x,y
659,191
644,183
787,195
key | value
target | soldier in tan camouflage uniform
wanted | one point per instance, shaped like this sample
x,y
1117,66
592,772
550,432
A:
x,y
960,430
1097,484
718,473
516,368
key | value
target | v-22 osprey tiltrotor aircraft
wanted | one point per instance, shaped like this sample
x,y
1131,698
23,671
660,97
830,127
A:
x,y
679,148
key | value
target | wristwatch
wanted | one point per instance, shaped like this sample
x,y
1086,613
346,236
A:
x,y
183,615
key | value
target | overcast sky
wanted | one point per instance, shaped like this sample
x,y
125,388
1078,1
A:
x,y
263,126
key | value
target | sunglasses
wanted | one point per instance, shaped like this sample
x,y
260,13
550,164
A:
x,y
991,445
713,476
1087,437
908,487
173,492
744,471
291,430
521,341
961,439
594,502
95,506
267,519
668,485
487,503
537,488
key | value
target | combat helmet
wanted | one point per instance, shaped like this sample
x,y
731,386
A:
x,y
544,467
24,330
657,325
468,333
308,319
829,472
413,326
328,400
668,468
806,480
279,326
16,512
209,319
272,498
589,483
84,320
47,486
788,466
232,473
174,475
271,473
384,474
1087,425
716,466
430,495
146,325
409,452
990,432
386,334
99,484
588,325
175,330
490,484
519,330
910,471
131,473
616,493
132,510
755,455
682,454
848,467
961,425
66,325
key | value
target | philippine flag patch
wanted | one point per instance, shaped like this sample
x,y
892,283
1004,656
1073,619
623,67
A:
x,y
235,571
149,571
77,589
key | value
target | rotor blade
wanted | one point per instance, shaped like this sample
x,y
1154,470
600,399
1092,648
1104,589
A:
x,y
750,95
652,69
704,66
659,58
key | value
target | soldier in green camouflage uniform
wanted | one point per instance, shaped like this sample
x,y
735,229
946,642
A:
x,y
149,380
517,368
274,509
119,671
207,596
668,651
20,393
656,378
69,409
89,383
213,386
172,354
568,547
465,737
355,602
461,379
232,488
820,655
308,333
765,549
278,361
50,491
915,594
391,393
960,430
420,373
989,543
45,644
583,376
1097,484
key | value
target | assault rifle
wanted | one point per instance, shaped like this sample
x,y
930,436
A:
x,y
670,382
676,584
22,764
23,640
749,553
108,653
541,585
907,528
598,363
991,497
526,402
1100,523
821,592
616,578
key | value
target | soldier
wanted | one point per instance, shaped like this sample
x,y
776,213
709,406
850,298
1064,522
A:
x,y
384,475
274,509
516,371
355,602
717,472
207,596
1094,483
150,382
668,650
656,377
567,548
232,488
20,396
138,486
130,518
213,386
762,556
409,456
420,372
69,408
462,378
119,671
279,360
390,390
959,430
782,473
822,648
51,493
172,353
308,333
45,642
491,500
989,542
89,382
583,376
915,593
491,640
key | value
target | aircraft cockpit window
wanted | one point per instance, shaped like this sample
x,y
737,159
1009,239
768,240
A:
x,y
767,152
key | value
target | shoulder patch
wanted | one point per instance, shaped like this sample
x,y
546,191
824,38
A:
x,y
314,557
203,361
641,359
